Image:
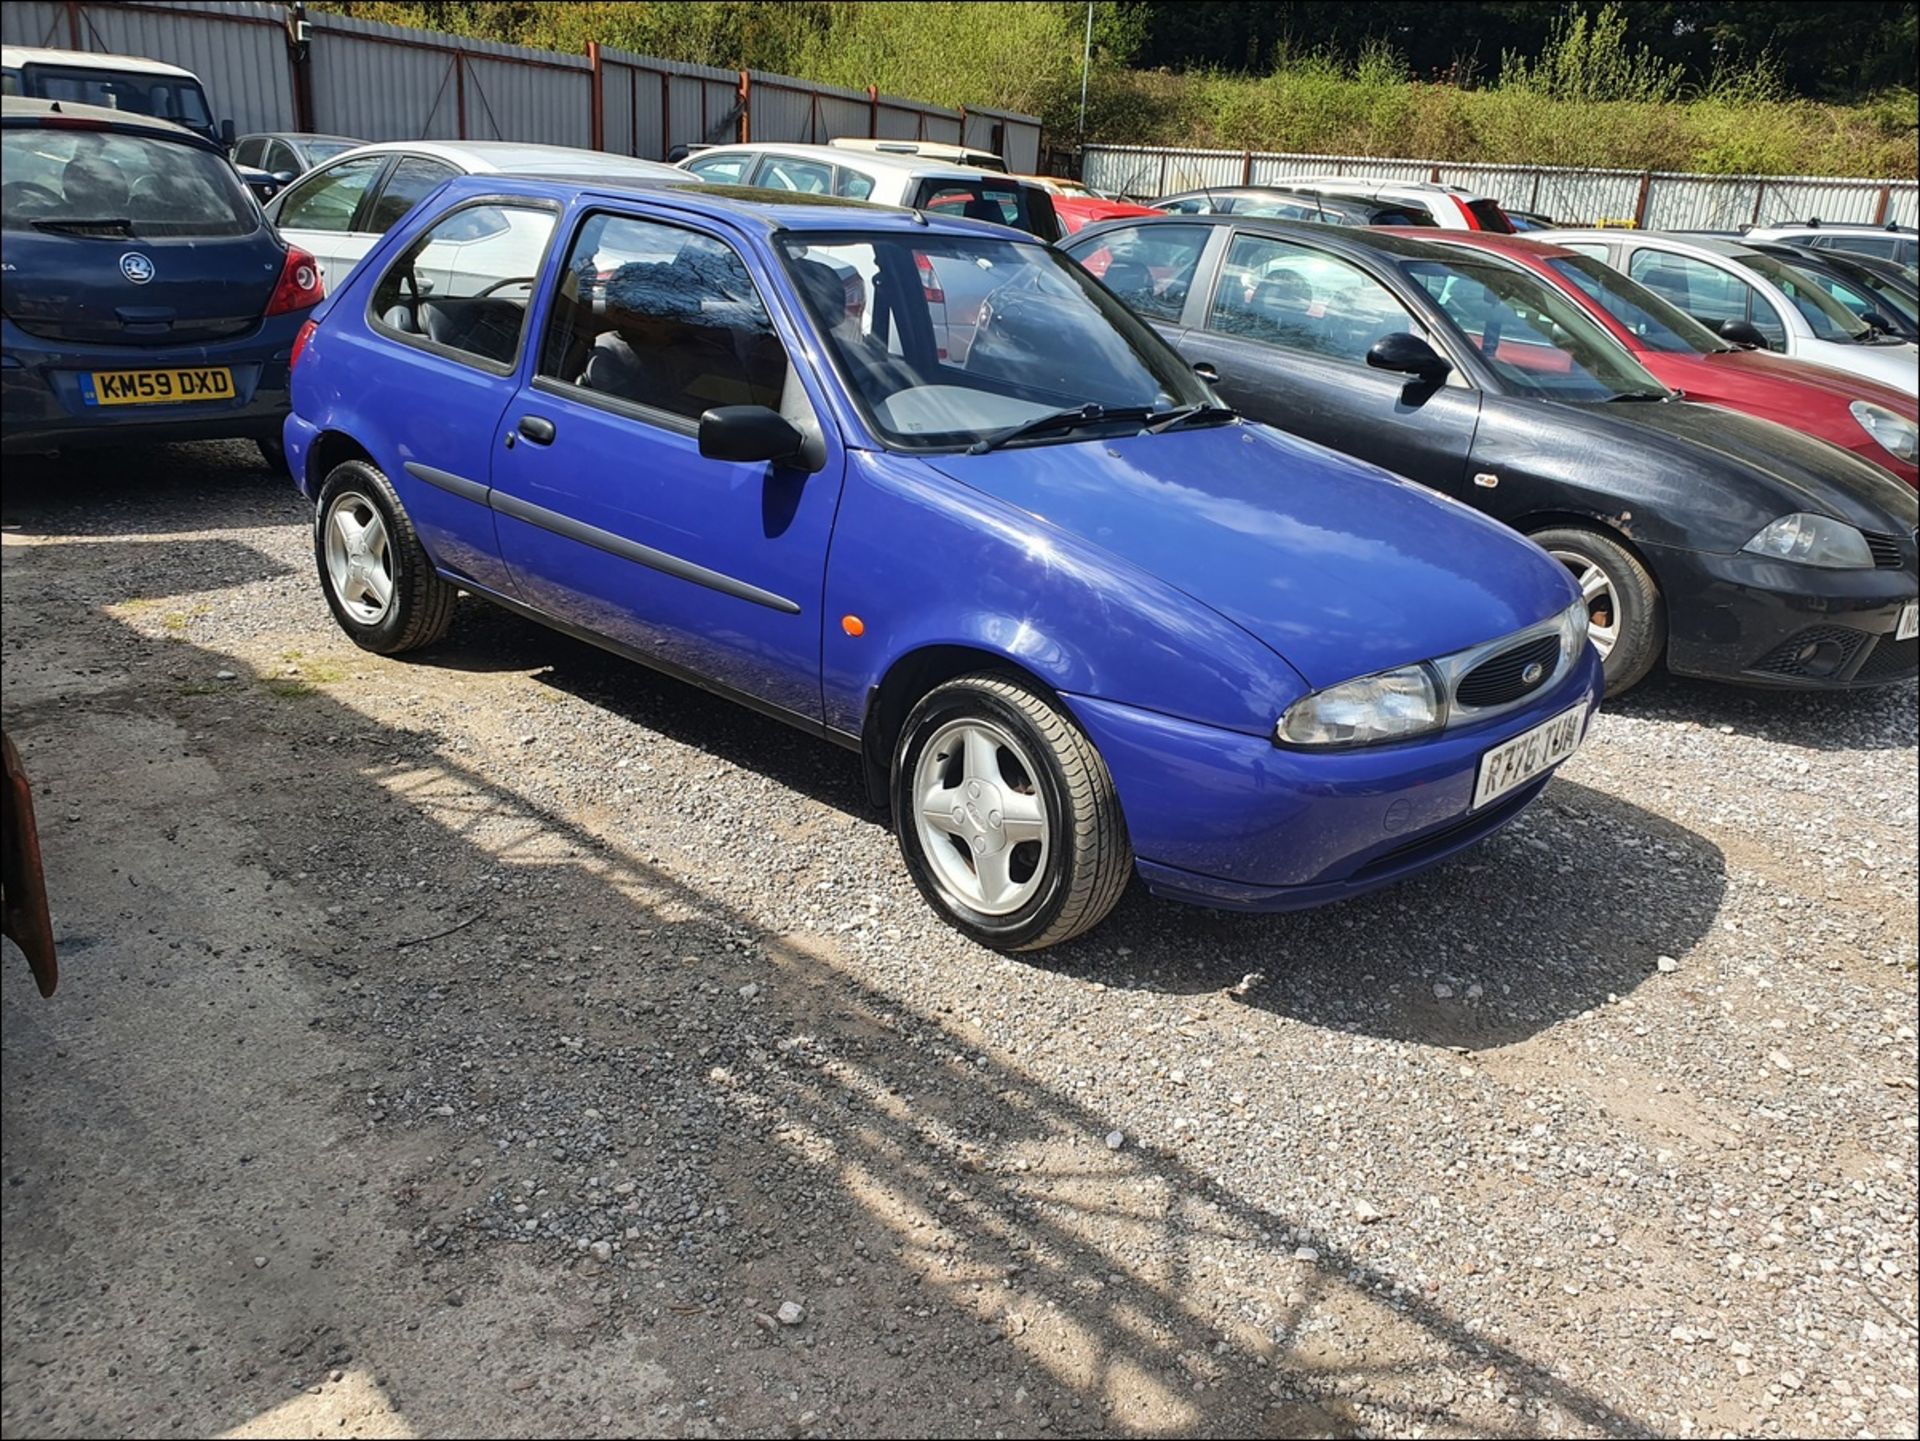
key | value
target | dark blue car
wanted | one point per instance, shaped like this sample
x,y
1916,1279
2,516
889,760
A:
x,y
925,488
145,296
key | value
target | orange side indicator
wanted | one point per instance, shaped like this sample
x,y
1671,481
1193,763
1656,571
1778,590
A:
x,y
853,625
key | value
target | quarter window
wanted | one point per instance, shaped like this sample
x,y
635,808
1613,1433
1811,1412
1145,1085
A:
x,y
664,318
725,169
326,201
809,178
412,180
464,284
1150,267
1305,300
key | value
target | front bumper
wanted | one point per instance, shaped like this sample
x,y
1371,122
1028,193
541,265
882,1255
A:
x,y
1768,622
1226,819
42,406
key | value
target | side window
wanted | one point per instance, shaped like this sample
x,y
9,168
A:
x,y
663,318
327,199
1192,205
1767,321
1303,299
410,183
465,283
250,151
806,176
1150,267
280,156
721,169
1706,292
851,183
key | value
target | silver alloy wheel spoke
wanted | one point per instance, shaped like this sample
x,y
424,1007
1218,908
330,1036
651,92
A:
x,y
1597,589
980,819
358,559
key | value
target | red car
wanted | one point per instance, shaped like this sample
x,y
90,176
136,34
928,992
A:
x,y
1875,422
1078,210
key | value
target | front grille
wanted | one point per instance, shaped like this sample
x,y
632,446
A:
x,y
1817,653
1454,832
1502,678
1891,660
1885,548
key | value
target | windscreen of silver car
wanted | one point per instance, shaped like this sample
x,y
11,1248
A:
x,y
1662,325
1825,316
97,182
1037,335
1537,341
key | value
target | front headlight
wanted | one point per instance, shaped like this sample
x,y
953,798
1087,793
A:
x,y
1390,706
1574,623
1894,432
1813,540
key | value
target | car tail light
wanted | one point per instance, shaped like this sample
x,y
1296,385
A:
x,y
928,281
300,284
300,344
1466,214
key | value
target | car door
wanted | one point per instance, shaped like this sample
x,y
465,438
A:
x,y
1711,294
319,212
444,361
609,516
1286,328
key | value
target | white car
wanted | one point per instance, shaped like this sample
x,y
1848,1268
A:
x,y
1451,207
340,209
1898,243
926,150
1751,298
954,292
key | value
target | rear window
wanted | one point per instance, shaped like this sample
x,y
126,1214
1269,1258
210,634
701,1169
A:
x,y
100,182
1489,216
1003,203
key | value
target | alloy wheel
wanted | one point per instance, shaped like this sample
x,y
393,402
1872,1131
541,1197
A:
x,y
980,817
359,558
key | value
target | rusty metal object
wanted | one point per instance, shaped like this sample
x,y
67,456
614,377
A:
x,y
23,883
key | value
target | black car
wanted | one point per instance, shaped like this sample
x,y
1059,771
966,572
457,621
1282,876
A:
x,y
283,156
1730,546
1282,203
1874,290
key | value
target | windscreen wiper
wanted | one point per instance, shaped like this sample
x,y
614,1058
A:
x,y
1188,415
1059,420
1641,395
113,226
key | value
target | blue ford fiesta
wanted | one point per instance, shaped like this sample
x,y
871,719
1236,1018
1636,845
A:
x,y
144,296
924,488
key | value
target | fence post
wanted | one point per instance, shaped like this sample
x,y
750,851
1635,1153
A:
x,y
1640,204
873,112
1880,204
300,64
744,129
73,24
1246,167
1759,194
596,90
666,116
460,92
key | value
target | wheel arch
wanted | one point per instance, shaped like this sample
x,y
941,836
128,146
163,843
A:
x,y
1615,529
331,448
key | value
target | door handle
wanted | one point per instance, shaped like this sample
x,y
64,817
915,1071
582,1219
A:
x,y
537,429
1207,371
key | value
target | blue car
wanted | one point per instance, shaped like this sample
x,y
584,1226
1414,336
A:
x,y
145,296
924,488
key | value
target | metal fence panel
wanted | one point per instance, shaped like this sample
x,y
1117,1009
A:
x,y
1700,202
1791,200
1576,197
35,22
511,101
375,89
785,112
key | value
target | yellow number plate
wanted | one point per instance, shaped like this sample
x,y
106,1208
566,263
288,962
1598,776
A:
x,y
157,387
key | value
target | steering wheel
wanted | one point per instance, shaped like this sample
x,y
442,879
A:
x,y
503,284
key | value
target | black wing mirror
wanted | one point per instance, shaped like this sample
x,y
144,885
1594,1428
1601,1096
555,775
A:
x,y
1743,332
749,433
1406,354
1878,321
227,135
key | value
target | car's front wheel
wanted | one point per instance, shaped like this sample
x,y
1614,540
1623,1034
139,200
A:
x,y
1006,814
1625,620
379,580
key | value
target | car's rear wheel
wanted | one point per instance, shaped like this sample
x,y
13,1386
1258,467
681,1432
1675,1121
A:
x,y
1625,619
1006,814
379,581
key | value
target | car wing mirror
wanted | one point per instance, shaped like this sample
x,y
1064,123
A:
x,y
751,433
1407,354
1743,332
1878,321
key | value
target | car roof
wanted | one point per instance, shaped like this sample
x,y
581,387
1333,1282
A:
x,y
30,107
750,207
1519,247
13,56
1393,242
1679,243
1830,227
299,135
1368,185
871,161
511,156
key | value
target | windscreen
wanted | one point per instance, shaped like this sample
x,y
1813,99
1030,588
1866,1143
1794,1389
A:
x,y
99,182
945,340
1657,323
1825,316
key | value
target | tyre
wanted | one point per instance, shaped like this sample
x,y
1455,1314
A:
x,y
1006,814
273,453
378,578
1626,621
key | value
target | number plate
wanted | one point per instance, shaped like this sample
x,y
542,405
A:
x,y
156,387
1528,754
1908,626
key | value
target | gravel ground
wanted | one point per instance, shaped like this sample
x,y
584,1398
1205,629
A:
x,y
512,1041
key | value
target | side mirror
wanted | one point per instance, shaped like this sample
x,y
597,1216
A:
x,y
1878,321
1743,332
282,178
227,134
1407,354
1207,371
749,433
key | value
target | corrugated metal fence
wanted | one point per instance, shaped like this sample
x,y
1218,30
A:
x,y
1651,199
382,82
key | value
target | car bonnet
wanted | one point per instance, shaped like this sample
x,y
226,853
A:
x,y
1338,567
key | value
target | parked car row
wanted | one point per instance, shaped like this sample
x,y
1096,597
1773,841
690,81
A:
x,y
1272,548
